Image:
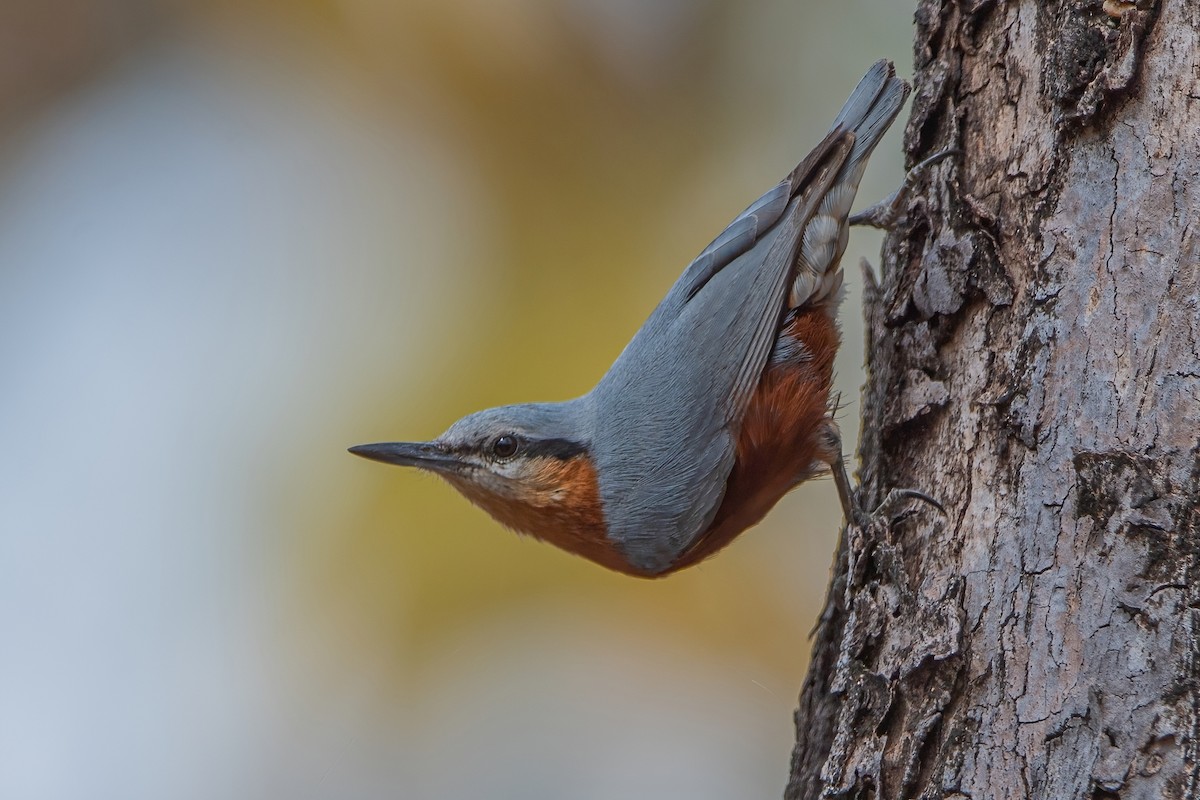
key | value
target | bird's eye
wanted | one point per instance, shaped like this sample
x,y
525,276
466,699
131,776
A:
x,y
505,446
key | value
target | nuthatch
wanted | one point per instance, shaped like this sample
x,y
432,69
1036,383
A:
x,y
718,407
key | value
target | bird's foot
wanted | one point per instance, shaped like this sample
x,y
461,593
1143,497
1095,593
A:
x,y
887,213
893,508
889,510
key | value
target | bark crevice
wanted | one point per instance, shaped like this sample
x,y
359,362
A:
x,y
1034,352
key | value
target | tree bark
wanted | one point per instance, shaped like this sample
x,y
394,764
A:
x,y
1034,359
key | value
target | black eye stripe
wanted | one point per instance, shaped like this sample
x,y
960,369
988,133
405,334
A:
x,y
562,449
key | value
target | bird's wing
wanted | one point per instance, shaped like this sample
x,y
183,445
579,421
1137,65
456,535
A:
x,y
747,229
668,411
867,112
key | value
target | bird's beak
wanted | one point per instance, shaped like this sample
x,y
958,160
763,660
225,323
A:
x,y
410,454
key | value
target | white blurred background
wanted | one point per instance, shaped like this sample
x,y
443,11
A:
x,y
237,238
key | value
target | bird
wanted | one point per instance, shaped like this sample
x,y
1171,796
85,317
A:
x,y
720,404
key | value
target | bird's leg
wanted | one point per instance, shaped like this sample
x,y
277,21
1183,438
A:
x,y
831,454
854,514
841,479
890,210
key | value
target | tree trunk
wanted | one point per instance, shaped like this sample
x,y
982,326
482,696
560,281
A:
x,y
1034,352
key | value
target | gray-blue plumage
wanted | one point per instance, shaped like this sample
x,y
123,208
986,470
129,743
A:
x,y
541,420
668,409
661,426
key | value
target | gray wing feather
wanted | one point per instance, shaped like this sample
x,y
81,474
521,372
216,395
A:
x,y
737,238
870,109
666,415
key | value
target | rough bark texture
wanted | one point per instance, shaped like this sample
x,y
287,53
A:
x,y
1034,350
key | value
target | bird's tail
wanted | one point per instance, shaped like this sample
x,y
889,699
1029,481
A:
x,y
868,113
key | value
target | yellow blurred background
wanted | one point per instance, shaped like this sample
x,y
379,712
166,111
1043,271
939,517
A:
x,y
236,238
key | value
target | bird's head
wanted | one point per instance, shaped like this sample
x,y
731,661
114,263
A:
x,y
528,466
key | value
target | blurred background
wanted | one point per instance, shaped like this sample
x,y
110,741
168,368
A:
x,y
236,238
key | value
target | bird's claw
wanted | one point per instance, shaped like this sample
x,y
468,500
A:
x,y
841,479
896,496
889,211
890,509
